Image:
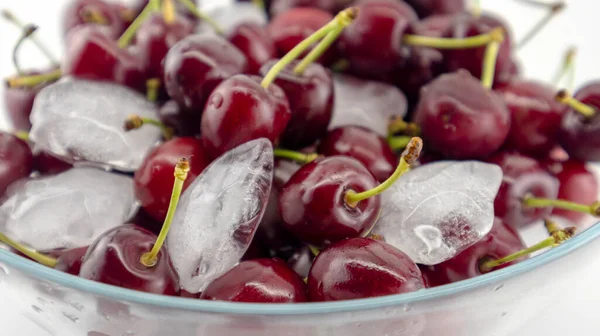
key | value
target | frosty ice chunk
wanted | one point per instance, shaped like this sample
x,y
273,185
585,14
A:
x,y
366,103
218,214
437,210
82,121
67,210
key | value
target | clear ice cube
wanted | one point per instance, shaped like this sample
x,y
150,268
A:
x,y
366,103
438,210
82,121
218,214
67,210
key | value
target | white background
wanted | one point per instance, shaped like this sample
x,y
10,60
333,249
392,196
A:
x,y
577,26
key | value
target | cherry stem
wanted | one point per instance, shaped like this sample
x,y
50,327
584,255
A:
x,y
127,14
410,156
340,65
34,255
10,17
557,238
31,81
551,226
295,156
125,39
23,135
398,142
490,58
343,19
398,125
315,251
564,97
322,47
189,5
152,87
554,9
27,32
567,68
476,8
453,43
533,202
259,3
135,121
169,11
94,15
182,169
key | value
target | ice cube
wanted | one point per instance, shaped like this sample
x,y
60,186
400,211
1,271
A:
x,y
438,210
218,214
67,210
230,16
82,121
366,103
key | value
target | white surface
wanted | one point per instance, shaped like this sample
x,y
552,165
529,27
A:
x,y
576,26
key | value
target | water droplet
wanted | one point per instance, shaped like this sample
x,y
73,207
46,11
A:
x,y
37,309
406,308
216,100
41,300
499,287
503,314
72,318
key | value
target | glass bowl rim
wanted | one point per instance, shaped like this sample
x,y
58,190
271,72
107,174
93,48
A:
x,y
87,286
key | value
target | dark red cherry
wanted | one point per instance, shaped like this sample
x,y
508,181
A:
x,y
196,65
460,118
259,280
69,261
577,184
362,268
535,115
183,122
313,205
93,55
379,27
523,176
293,26
435,25
426,8
364,145
471,59
80,13
501,241
154,180
256,44
281,6
143,219
114,259
19,102
47,164
240,110
579,135
16,160
311,97
154,39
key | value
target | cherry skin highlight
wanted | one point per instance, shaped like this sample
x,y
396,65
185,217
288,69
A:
x,y
362,268
313,205
16,160
256,44
259,280
114,259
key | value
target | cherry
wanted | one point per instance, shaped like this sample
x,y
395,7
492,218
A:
x,y
114,259
19,102
364,145
69,261
380,26
154,180
535,115
93,55
16,160
82,13
47,164
502,240
183,122
426,8
143,219
310,95
362,268
280,6
580,127
523,177
253,40
435,25
461,119
577,184
156,36
260,280
196,65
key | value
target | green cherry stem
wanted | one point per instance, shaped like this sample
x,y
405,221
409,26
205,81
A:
x,y
410,155
125,39
567,68
340,20
398,143
134,122
533,202
93,15
27,32
557,238
189,5
398,125
31,81
152,87
553,10
182,169
315,251
34,255
295,156
453,43
23,135
169,11
564,97
476,8
551,226
490,57
259,3
10,17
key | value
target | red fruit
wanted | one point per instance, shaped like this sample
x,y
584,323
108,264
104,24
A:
x,y
258,47
183,122
114,259
19,102
79,13
240,110
154,179
259,280
46,164
280,6
69,261
16,160
362,268
577,184
427,8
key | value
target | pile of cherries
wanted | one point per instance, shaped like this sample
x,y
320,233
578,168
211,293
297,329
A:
x,y
219,90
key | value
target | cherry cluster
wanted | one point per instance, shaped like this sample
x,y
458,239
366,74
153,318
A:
x,y
218,90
